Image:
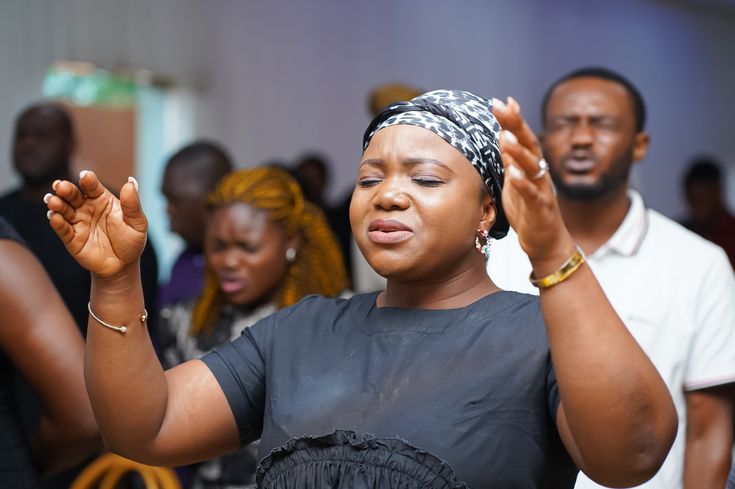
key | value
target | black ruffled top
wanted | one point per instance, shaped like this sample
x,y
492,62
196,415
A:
x,y
345,459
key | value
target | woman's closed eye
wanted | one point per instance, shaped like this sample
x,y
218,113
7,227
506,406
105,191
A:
x,y
428,181
248,247
368,181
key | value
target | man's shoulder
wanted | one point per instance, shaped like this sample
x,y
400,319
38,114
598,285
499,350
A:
x,y
665,233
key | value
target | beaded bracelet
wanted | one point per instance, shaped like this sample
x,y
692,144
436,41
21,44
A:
x,y
119,329
564,272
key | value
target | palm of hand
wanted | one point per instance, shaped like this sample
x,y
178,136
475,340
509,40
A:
x,y
530,216
102,241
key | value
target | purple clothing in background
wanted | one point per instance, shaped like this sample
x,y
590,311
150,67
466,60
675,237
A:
x,y
186,280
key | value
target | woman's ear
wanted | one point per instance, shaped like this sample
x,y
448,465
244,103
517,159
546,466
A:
x,y
489,212
294,242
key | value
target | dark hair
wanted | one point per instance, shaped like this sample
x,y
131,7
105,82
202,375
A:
x,y
639,106
208,158
57,109
703,169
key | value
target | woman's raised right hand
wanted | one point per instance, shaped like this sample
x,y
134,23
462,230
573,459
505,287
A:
x,y
106,235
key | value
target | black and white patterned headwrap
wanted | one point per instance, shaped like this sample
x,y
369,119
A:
x,y
465,121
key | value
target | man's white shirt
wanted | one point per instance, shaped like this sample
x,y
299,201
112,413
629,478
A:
x,y
674,291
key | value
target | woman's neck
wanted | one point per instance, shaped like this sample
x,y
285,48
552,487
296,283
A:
x,y
459,290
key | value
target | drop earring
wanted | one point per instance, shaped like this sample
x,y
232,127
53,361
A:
x,y
482,242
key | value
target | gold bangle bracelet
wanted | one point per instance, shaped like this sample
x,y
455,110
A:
x,y
120,329
564,272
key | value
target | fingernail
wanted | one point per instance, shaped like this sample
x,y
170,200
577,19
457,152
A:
x,y
82,173
511,100
53,185
134,182
515,172
510,137
48,215
46,198
498,103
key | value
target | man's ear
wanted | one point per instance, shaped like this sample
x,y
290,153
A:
x,y
640,146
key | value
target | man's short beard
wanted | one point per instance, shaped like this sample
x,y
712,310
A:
x,y
610,181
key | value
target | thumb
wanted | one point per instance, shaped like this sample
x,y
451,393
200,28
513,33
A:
x,y
131,208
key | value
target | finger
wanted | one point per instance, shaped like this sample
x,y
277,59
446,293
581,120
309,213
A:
x,y
530,193
527,161
60,206
61,227
510,118
90,184
130,205
68,192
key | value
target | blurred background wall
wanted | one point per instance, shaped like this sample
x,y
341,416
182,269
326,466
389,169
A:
x,y
272,79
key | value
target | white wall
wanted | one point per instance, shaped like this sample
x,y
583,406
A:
x,y
279,77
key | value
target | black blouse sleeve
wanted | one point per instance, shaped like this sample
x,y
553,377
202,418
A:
x,y
239,367
552,390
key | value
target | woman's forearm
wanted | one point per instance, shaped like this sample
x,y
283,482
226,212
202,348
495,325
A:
x,y
124,378
616,405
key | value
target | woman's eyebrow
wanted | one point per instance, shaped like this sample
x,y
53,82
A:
x,y
426,161
372,162
410,162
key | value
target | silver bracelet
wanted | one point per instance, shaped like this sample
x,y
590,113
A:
x,y
119,329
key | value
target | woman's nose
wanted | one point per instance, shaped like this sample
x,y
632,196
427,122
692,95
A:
x,y
230,259
391,195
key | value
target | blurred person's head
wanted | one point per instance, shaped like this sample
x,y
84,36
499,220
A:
x,y
593,121
312,172
264,244
703,189
190,175
389,93
43,143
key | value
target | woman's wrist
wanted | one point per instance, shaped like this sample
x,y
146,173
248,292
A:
x,y
126,280
552,260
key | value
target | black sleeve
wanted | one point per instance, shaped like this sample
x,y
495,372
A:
x,y
552,390
7,231
240,367
149,279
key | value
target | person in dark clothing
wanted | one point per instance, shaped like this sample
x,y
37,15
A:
x,y
708,216
441,380
312,173
190,175
43,143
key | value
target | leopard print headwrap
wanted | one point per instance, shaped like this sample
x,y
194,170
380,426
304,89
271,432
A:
x,y
465,121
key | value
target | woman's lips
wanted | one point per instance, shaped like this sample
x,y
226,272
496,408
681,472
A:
x,y
388,231
231,285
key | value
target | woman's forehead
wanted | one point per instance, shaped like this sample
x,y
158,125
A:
x,y
406,141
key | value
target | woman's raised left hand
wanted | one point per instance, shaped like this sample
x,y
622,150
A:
x,y
529,200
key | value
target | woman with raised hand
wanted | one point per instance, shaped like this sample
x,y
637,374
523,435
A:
x,y
265,248
440,380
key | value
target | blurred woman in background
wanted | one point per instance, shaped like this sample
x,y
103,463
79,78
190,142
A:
x,y
265,248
